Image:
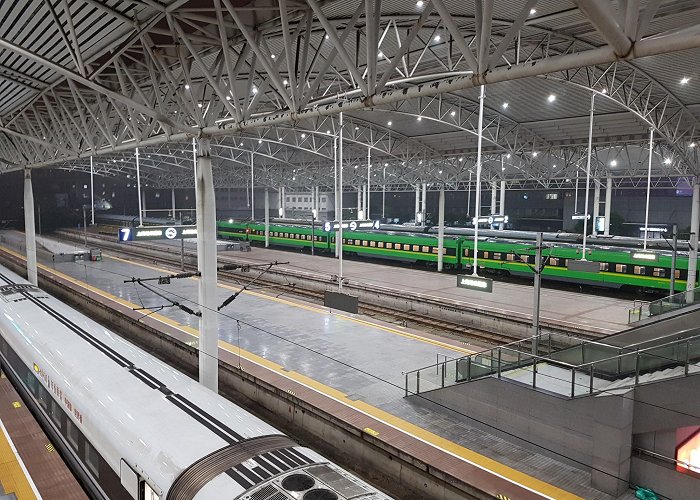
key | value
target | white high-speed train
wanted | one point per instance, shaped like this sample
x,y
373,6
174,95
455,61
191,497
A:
x,y
130,426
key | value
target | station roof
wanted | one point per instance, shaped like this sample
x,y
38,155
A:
x,y
267,80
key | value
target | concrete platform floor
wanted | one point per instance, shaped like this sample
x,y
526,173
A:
x,y
363,358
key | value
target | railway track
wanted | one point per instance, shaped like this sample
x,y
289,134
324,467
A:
x,y
309,287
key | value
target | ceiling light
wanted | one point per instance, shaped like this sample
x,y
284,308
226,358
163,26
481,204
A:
x,y
504,105
439,171
328,132
303,136
357,128
508,156
533,11
420,162
355,166
604,91
554,166
386,164
380,54
259,141
255,90
552,98
419,3
228,97
692,144
684,80
199,104
437,38
613,163
667,161
327,37
241,144
285,82
461,159
273,56
453,113
420,118
388,123
187,87
535,153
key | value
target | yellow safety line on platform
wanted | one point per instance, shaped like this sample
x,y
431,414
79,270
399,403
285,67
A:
x,y
507,473
317,310
13,475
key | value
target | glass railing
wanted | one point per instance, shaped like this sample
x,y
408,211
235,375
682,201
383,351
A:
x,y
643,310
573,379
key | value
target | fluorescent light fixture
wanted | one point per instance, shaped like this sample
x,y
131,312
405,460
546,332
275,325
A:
x,y
508,156
187,87
453,113
535,153
684,80
533,12
420,118
273,56
437,38
504,105
667,161
552,98
386,164
419,3
303,136
285,82
461,159
613,163
259,141
388,123
230,221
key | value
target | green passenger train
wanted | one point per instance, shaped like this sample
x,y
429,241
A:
x,y
618,266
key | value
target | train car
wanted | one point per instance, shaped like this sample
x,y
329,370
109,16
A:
x,y
232,230
403,247
618,267
132,427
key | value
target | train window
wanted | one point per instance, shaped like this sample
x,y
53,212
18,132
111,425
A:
x,y
92,459
344,241
554,261
604,266
416,248
487,255
72,434
497,256
466,252
406,247
364,243
425,249
44,397
640,270
380,244
147,492
510,257
286,235
56,413
373,243
659,272
678,273
620,268
390,245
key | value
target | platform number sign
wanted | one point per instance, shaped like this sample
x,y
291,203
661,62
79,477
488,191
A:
x,y
126,234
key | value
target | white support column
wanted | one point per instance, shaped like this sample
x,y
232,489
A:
x,y
469,194
206,263
646,216
424,203
336,212
588,176
364,200
144,208
383,191
494,199
138,186
694,229
252,189
267,218
29,231
415,212
502,205
339,238
596,204
441,228
608,206
369,169
477,208
92,193
284,202
172,195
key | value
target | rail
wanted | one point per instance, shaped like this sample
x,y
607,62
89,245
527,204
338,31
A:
x,y
585,378
643,310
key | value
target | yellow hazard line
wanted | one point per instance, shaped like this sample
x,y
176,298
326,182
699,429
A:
x,y
535,485
13,474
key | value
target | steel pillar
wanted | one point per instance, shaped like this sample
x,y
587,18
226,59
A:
x,y
369,169
252,189
172,196
693,243
206,263
339,237
608,206
588,176
477,208
423,204
596,205
415,212
646,216
360,189
92,193
29,230
494,200
441,228
267,218
138,187
502,206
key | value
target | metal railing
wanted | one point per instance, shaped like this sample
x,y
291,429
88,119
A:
x,y
643,310
583,378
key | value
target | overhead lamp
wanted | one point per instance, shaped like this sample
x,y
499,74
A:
x,y
535,153
692,145
230,221
503,168
259,141
187,87
461,158
453,113
328,132
199,104
508,156
228,97
380,54
241,144
419,4
554,166
667,161
303,136
504,105
552,98
420,118
285,82
327,37
420,162
356,166
437,38
604,91
439,171
255,90
388,123
613,163
273,56
533,12
357,128
386,164
684,80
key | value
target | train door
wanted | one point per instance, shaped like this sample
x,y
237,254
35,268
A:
x,y
135,485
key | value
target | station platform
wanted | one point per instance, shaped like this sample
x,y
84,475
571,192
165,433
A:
x,y
351,359
30,467
602,314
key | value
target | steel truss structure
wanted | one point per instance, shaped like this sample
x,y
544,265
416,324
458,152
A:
x,y
266,80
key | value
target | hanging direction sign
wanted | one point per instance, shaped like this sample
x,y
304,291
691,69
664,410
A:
x,y
475,283
156,233
352,225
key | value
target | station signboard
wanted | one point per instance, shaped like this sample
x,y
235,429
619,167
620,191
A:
x,y
580,216
475,283
491,219
157,233
645,256
352,225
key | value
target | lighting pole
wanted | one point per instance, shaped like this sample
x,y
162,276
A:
x,y
313,221
478,181
588,176
646,217
674,249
